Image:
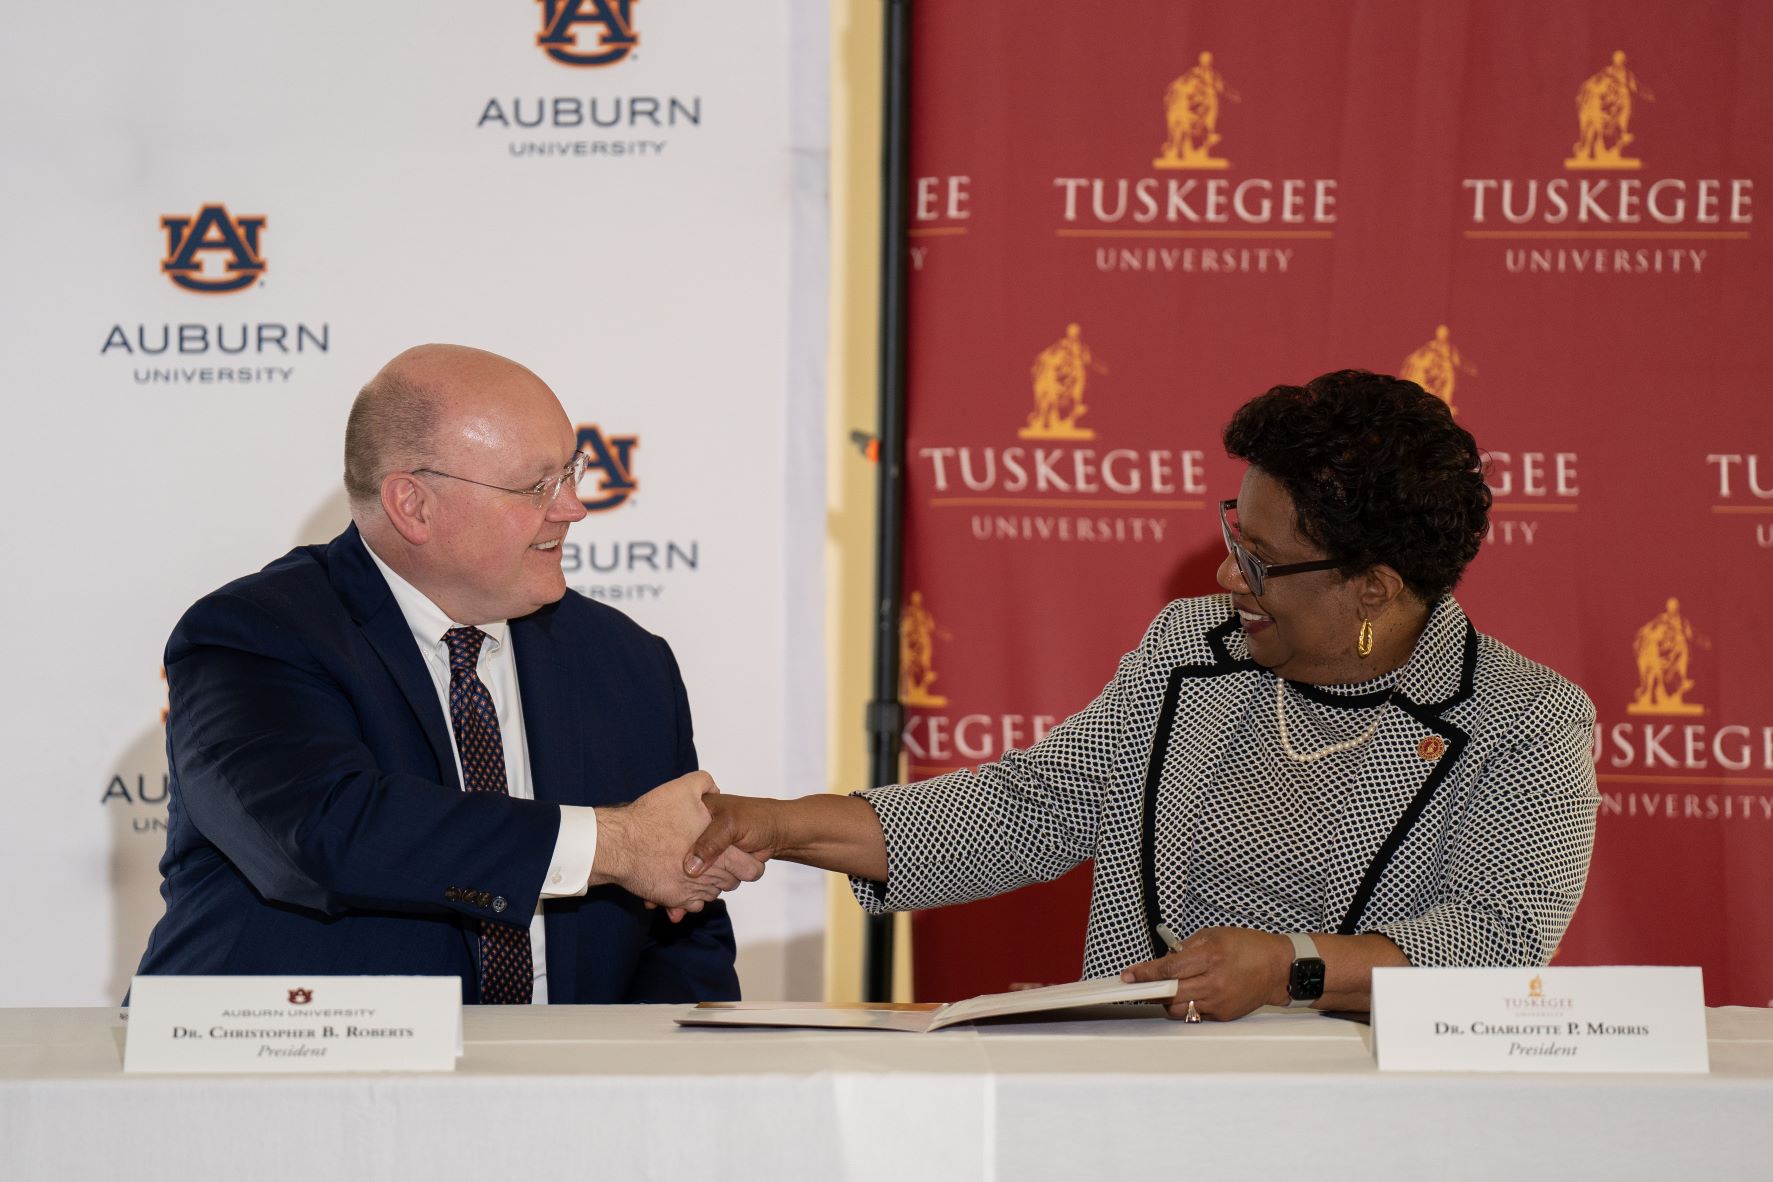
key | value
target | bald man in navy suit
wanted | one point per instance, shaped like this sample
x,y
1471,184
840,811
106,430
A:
x,y
414,751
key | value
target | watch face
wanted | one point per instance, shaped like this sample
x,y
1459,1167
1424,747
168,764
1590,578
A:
x,y
1306,982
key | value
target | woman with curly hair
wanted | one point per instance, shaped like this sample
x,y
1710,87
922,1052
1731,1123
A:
x,y
1323,770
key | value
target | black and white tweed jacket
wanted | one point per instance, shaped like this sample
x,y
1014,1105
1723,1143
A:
x,y
1465,836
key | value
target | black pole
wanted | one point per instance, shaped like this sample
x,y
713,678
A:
x,y
885,714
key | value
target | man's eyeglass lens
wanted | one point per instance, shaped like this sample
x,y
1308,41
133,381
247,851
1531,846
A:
x,y
545,492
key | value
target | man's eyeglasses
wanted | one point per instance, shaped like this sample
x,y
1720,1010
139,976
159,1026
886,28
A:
x,y
1254,571
541,494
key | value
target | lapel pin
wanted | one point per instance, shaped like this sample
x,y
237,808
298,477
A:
x,y
1431,748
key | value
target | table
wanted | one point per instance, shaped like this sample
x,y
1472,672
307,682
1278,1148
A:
x,y
616,1092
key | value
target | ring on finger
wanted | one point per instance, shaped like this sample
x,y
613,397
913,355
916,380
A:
x,y
1192,1014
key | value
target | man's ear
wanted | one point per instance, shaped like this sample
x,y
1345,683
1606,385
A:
x,y
409,506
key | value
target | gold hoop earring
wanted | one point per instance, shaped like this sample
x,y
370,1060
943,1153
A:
x,y
1365,645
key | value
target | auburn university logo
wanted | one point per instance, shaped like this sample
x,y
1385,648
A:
x,y
567,43
213,233
300,997
612,458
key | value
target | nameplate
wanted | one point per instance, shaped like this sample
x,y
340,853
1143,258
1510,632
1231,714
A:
x,y
1546,1019
285,1024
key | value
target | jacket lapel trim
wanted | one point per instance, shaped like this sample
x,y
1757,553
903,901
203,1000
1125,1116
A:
x,y
1223,663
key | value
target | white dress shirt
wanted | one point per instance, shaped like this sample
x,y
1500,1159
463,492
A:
x,y
569,870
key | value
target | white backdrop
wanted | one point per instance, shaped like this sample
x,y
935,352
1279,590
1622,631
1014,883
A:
x,y
664,272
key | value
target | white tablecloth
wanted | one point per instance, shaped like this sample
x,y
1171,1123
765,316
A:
x,y
621,1092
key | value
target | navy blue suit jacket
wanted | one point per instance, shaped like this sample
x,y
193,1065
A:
x,y
315,823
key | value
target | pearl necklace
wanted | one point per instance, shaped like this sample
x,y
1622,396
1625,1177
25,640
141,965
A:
x,y
1280,716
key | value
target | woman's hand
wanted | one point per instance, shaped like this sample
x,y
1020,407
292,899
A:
x,y
838,833
745,823
1225,972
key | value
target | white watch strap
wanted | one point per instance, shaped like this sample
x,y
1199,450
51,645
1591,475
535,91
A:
x,y
1303,946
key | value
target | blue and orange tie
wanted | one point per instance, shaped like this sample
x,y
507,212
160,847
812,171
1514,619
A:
x,y
507,969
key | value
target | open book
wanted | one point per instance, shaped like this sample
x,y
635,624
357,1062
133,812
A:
x,y
922,1018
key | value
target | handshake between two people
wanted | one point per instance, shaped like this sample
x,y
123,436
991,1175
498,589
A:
x,y
642,847
683,844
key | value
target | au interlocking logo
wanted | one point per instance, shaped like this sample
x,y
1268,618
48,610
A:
x,y
1060,373
300,997
213,252
566,40
612,458
1604,105
1191,117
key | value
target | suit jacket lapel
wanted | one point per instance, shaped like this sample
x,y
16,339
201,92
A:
x,y
577,747
365,594
556,756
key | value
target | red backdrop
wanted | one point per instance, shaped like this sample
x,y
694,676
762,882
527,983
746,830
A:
x,y
1545,214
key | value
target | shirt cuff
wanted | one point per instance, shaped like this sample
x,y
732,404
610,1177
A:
x,y
569,870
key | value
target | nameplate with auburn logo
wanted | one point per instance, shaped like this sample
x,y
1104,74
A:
x,y
285,1024
1547,1019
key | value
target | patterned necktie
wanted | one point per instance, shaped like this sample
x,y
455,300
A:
x,y
507,971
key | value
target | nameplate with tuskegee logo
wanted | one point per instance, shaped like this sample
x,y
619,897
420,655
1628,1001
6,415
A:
x,y
289,1024
1639,1019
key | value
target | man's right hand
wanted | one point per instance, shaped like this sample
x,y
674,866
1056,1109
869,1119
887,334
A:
x,y
640,847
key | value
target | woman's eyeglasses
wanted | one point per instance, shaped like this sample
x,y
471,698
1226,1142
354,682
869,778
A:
x,y
1254,571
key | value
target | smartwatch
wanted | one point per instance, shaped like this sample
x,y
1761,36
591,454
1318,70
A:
x,y
1305,981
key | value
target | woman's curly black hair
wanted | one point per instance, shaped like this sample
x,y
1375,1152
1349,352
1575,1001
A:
x,y
1378,472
